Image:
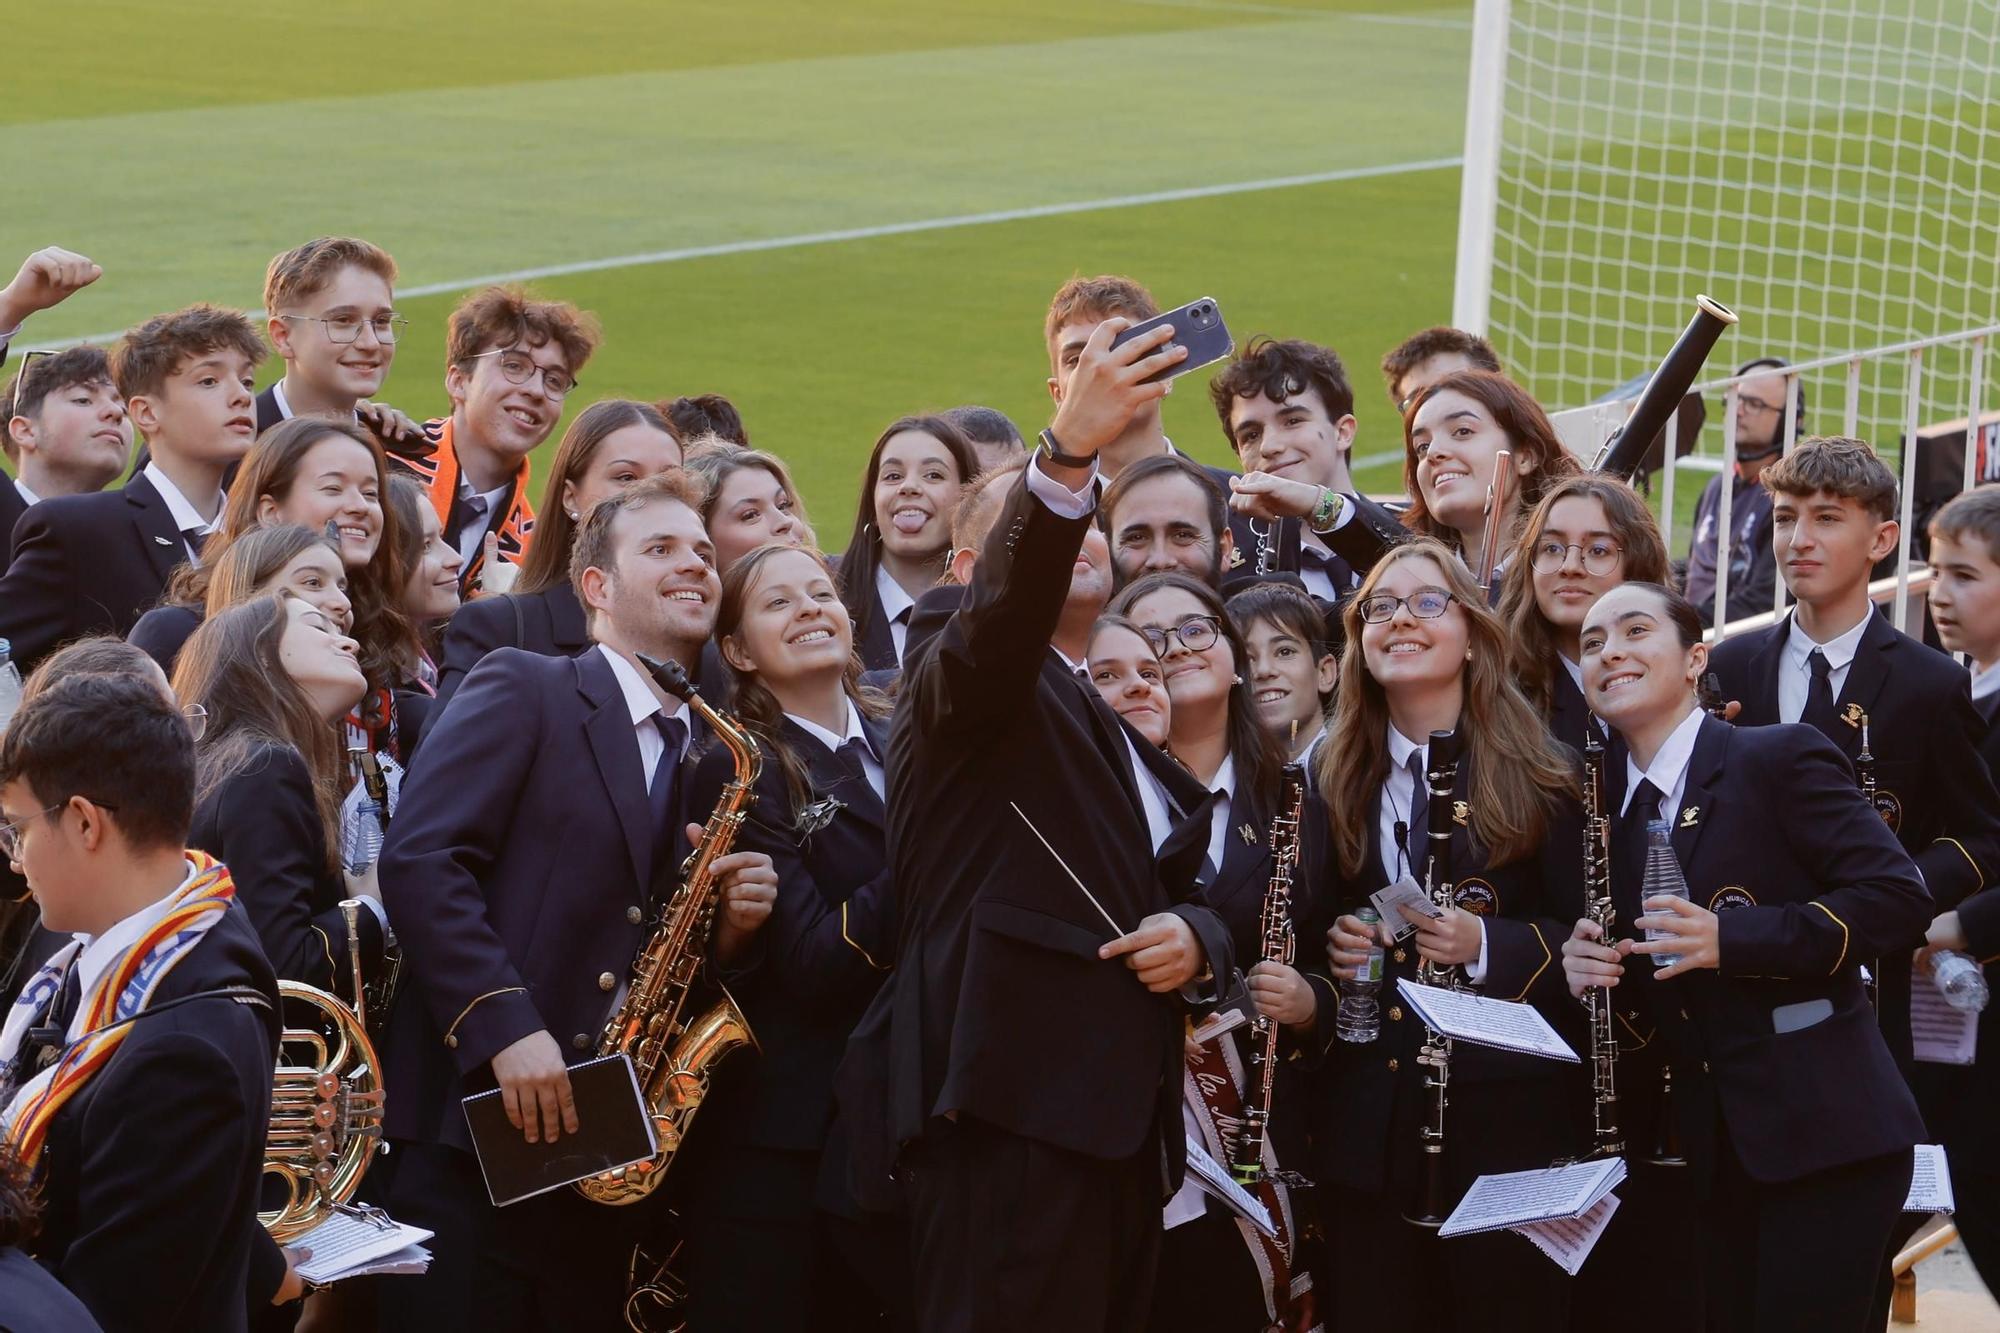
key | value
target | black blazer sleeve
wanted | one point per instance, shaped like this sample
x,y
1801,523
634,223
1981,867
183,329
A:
x,y
982,670
265,827
1362,539
1873,902
1979,921
158,1181
475,629
38,597
1965,856
449,830
163,631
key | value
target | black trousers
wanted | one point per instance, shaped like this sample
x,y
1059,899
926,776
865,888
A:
x,y
1008,1234
556,1262
1801,1254
1654,1202
1207,1281
1977,1196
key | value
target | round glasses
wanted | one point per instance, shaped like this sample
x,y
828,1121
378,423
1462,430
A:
x,y
347,328
1424,604
1599,557
519,368
1196,633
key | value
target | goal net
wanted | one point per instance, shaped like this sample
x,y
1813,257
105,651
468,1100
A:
x,y
1828,168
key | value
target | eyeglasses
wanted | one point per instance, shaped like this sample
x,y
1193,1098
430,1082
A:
x,y
519,368
1757,406
1424,604
1599,557
14,834
197,720
1196,633
347,328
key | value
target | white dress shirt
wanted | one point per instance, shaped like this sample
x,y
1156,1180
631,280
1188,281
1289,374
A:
x,y
896,605
21,488
474,531
186,517
1218,818
1061,500
1795,673
1399,793
1668,771
642,704
1985,680
871,763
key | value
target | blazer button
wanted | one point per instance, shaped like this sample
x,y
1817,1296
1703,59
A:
x,y
1395,1013
451,1042
1684,1015
1704,1066
1401,956
634,915
1393,1065
581,1041
606,982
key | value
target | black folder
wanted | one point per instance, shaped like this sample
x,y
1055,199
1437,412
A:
x,y
613,1130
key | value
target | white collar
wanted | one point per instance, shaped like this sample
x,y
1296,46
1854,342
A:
x,y
1669,765
895,601
1224,780
101,951
640,701
1839,651
1575,670
186,517
1401,747
1986,681
25,492
1074,667
832,742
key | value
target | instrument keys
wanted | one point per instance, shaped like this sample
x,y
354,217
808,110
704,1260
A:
x,y
607,982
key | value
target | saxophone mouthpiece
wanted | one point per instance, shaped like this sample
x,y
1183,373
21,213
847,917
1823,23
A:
x,y
670,676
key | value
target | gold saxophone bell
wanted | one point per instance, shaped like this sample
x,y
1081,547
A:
x,y
326,1111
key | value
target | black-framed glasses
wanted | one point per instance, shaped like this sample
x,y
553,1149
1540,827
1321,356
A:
x,y
1196,633
1744,402
518,367
1599,557
347,328
1424,604
14,833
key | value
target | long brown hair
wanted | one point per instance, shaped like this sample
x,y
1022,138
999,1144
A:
x,y
1518,771
257,557
555,531
406,495
1529,434
232,667
752,699
384,633
863,557
1644,560
1259,759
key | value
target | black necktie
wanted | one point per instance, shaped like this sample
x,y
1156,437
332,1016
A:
x,y
850,756
1819,695
465,510
46,1040
1417,838
660,795
1629,844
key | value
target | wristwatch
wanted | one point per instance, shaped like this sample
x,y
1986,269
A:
x,y
1054,450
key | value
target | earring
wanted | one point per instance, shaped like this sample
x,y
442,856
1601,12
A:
x,y
1239,680
571,513
1468,654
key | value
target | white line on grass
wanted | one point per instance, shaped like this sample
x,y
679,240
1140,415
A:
x,y
894,229
1293,11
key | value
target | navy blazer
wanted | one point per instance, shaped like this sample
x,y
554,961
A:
x,y
824,952
518,872
163,631
1773,837
1356,545
1930,781
153,1168
12,506
1368,1098
264,825
878,637
87,564
1001,1008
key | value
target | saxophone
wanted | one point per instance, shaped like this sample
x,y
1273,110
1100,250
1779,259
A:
x,y
1247,1161
674,1046
1440,777
1609,1140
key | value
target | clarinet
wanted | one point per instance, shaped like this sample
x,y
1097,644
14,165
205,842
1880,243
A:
x,y
1609,1140
1246,1163
1864,777
1440,777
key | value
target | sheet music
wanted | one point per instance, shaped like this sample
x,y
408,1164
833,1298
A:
x,y
346,1245
1215,1178
1485,1021
1942,1035
1930,1182
1517,1197
1569,1240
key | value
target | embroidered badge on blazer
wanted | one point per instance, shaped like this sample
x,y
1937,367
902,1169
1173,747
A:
x,y
1853,716
1235,557
1475,896
1691,816
1890,807
1731,896
1248,834
1461,813
818,815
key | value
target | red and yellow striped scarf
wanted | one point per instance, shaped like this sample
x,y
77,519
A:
x,y
118,996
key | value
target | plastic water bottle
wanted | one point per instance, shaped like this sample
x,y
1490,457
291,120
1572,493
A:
x,y
1663,880
1359,1018
10,684
1960,980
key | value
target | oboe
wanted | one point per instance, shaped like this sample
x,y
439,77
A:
x,y
1440,777
1247,1161
1864,777
1609,1139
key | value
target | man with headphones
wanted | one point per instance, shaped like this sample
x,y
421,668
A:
x,y
1753,572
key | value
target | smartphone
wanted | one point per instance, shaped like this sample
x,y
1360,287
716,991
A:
x,y
1198,327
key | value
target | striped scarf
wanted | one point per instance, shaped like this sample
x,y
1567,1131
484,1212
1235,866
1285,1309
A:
x,y
104,1015
440,474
